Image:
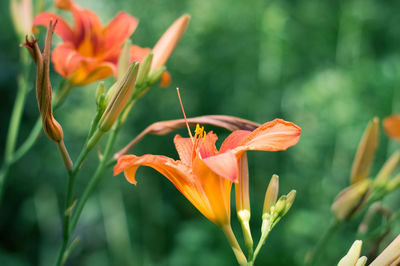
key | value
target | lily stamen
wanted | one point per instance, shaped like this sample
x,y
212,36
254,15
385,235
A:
x,y
184,115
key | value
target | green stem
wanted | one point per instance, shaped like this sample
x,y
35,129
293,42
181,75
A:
x,y
95,179
68,204
28,143
3,176
12,155
266,228
319,247
15,120
240,257
69,224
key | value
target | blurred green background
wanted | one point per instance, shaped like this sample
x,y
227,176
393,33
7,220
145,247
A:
x,y
328,66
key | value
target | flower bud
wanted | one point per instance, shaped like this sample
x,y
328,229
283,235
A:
x,y
144,70
290,197
44,92
280,206
393,183
22,16
101,95
124,57
350,199
120,98
390,255
166,44
365,152
272,193
388,168
361,261
353,255
155,76
43,86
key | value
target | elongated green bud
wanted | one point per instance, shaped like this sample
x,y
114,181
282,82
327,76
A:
x,y
155,75
393,183
101,96
280,206
290,197
120,98
350,199
388,168
144,70
365,152
124,59
353,255
272,193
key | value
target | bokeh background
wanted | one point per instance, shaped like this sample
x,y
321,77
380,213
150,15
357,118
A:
x,y
328,66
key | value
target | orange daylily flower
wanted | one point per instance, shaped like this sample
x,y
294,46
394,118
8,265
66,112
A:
x,y
203,174
89,51
392,126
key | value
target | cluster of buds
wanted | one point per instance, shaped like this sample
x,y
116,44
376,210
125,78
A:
x,y
22,16
273,211
390,256
274,208
364,190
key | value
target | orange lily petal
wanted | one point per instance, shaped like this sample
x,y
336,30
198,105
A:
x,y
392,126
138,53
165,79
66,59
62,28
86,23
275,135
206,147
224,164
217,191
177,172
119,30
184,147
85,74
234,140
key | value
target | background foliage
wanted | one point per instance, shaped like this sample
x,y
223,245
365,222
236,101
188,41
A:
x,y
328,66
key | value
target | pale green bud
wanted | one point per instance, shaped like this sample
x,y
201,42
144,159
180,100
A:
x,y
388,168
280,206
120,98
272,193
144,70
349,199
361,261
124,59
393,183
365,152
101,96
353,255
155,75
290,197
